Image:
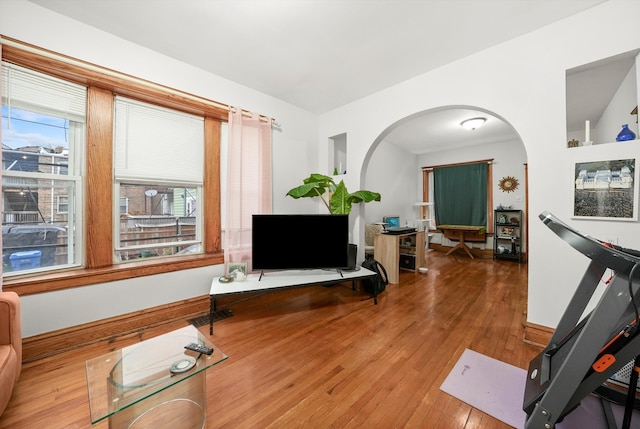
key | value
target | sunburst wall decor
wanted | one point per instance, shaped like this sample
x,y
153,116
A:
x,y
508,184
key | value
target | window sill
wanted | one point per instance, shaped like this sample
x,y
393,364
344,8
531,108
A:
x,y
49,282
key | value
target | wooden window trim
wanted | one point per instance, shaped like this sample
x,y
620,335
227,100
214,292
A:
x,y
98,220
88,77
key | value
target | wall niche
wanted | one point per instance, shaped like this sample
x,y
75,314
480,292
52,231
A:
x,y
338,154
601,97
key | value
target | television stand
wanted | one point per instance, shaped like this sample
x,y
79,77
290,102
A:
x,y
338,270
278,280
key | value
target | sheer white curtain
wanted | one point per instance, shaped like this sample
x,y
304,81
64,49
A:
x,y
1,272
248,181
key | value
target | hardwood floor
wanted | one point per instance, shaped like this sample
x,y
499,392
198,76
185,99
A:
x,y
326,357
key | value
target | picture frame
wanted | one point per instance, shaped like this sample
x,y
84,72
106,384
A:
x,y
606,190
237,270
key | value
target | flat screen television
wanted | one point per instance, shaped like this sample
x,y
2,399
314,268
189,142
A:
x,y
299,241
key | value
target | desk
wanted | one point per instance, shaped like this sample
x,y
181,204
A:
x,y
134,387
276,280
388,249
463,233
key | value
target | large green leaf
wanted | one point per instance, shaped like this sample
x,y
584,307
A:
x,y
338,202
314,186
364,196
306,191
317,185
320,179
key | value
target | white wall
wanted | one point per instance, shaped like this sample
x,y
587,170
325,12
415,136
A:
x,y
618,112
523,81
392,173
293,159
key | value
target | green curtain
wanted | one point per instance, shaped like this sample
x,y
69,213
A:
x,y
460,194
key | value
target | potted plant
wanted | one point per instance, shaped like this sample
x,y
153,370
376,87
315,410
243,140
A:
x,y
339,199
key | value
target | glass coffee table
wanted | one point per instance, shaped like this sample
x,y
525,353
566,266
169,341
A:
x,y
154,383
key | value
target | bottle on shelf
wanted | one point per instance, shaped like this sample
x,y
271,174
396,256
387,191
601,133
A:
x,y
625,134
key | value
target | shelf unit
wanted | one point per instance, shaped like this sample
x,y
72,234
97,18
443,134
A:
x,y
399,252
508,238
407,249
425,221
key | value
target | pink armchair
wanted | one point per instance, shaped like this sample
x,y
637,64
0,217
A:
x,y
10,345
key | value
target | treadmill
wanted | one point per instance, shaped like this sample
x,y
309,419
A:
x,y
590,354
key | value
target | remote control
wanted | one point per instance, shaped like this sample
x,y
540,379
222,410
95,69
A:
x,y
198,348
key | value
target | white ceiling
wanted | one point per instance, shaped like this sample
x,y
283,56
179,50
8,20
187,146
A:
x,y
440,130
322,54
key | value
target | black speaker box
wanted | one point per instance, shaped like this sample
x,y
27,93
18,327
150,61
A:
x,y
352,252
408,262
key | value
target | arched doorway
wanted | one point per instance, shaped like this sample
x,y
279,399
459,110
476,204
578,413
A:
x,y
393,164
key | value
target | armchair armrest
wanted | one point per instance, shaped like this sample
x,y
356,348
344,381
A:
x,y
10,323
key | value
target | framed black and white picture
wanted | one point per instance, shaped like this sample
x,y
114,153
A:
x,y
606,190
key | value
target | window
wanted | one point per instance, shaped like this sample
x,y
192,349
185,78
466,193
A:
x,y
43,121
63,204
461,193
161,221
158,169
84,156
124,205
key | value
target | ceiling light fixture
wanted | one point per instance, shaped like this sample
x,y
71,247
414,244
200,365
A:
x,y
473,123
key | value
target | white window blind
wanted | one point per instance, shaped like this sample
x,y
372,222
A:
x,y
29,90
157,144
